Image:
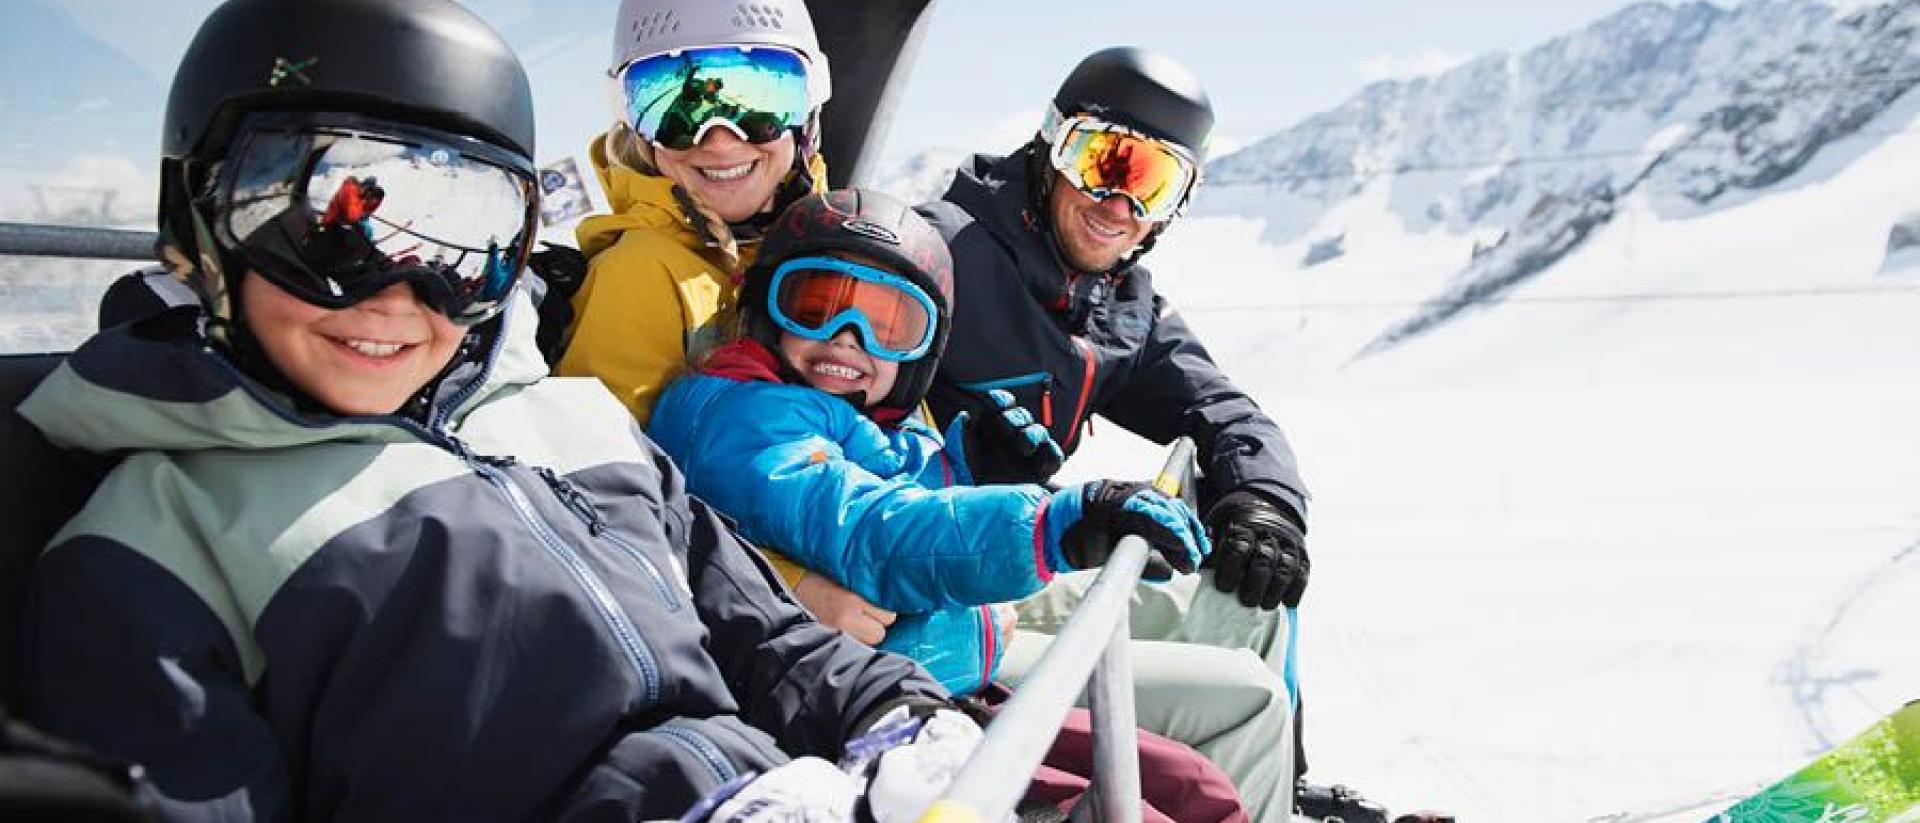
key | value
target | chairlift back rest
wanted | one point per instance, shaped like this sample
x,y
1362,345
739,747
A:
x,y
41,487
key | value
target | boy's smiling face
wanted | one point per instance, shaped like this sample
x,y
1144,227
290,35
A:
x,y
368,358
840,366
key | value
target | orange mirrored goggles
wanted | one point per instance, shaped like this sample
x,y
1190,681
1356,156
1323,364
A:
x,y
816,297
1104,159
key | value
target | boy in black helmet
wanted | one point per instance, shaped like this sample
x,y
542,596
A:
x,y
1054,306
361,560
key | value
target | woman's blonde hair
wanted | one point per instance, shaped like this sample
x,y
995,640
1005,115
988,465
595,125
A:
x,y
626,147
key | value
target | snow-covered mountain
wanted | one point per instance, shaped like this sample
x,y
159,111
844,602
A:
x,y
1523,156
1495,170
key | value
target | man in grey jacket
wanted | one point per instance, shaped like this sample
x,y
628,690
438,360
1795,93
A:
x,y
361,559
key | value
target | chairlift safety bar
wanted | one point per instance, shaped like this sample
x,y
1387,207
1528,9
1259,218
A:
x,y
1089,652
37,240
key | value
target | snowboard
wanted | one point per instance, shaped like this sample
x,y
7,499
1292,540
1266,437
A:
x,y
1873,778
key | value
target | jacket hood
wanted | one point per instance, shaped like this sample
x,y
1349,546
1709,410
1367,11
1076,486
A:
x,y
981,186
638,201
994,191
156,384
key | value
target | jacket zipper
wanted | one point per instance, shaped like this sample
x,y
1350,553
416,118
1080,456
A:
x,y
635,648
1045,379
990,638
701,747
1086,392
637,653
577,502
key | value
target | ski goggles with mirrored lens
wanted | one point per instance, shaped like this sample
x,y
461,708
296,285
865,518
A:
x,y
816,297
1104,159
673,99
336,208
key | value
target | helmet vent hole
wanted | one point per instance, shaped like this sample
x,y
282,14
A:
x,y
655,25
754,15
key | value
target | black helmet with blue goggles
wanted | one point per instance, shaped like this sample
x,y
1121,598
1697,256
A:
x,y
334,208
675,98
817,297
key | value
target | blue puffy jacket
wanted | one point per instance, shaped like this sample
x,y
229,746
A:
x,y
884,511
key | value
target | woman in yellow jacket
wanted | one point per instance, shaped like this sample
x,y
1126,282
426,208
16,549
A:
x,y
720,118
718,134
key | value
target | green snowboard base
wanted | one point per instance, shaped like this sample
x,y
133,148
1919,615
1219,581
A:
x,y
1873,778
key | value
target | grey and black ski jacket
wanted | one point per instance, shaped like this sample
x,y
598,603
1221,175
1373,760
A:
x,y
514,612
1072,347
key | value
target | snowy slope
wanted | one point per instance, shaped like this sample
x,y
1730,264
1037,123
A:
x,y
1624,545
1522,157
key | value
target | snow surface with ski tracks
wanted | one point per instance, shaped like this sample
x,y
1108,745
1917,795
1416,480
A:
x,y
1627,545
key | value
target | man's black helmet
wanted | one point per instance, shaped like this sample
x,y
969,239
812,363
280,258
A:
x,y
427,62
875,226
1141,89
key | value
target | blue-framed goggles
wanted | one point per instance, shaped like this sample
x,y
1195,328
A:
x,y
816,297
673,99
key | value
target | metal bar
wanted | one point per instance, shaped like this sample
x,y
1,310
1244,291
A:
x,y
996,776
1116,752
35,240
993,780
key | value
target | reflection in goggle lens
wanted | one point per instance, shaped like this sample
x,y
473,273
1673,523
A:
x,y
334,215
673,99
1102,160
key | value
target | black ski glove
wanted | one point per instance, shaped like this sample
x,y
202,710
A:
x,y
1261,552
1084,522
564,269
1010,432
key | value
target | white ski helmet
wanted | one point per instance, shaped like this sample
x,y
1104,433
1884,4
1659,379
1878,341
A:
x,y
650,27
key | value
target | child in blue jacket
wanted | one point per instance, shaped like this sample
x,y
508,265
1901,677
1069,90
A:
x,y
804,431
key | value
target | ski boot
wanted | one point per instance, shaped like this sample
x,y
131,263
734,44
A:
x,y
1336,804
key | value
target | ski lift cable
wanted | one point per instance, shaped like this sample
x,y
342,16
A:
x,y
1327,121
1572,299
1516,160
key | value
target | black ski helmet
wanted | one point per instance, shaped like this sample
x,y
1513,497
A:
x,y
1132,87
429,63
1143,90
876,226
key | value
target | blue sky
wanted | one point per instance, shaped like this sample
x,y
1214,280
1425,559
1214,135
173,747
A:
x,y
987,66
1267,64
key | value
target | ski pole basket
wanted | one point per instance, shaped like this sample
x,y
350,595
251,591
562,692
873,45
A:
x,y
1091,652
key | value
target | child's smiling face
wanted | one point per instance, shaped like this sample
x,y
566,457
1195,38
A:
x,y
367,358
840,366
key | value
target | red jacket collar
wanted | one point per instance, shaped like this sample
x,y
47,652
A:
x,y
747,361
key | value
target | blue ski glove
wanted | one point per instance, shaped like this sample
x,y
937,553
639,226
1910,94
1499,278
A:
x,y
1009,432
1263,553
1084,522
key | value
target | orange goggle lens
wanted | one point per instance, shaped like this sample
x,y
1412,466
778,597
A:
x,y
818,302
1104,160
